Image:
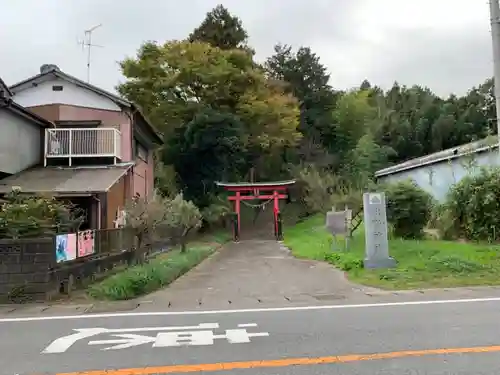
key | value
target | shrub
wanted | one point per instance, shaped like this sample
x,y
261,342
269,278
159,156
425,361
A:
x,y
181,218
34,216
320,190
345,261
443,220
143,216
408,209
474,204
176,216
216,212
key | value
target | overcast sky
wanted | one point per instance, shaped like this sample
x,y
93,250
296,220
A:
x,y
443,44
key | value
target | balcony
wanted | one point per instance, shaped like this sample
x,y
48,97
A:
x,y
82,143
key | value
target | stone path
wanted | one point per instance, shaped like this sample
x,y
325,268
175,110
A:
x,y
254,273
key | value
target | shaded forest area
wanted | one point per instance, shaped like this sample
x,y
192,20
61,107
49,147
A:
x,y
227,117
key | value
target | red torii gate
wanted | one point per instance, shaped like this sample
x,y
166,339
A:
x,y
257,190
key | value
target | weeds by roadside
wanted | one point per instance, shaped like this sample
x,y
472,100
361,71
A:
x,y
157,273
421,263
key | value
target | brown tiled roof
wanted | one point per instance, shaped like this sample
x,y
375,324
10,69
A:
x,y
65,181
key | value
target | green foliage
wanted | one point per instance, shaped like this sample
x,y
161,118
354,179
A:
x,y
408,209
181,217
165,179
345,261
307,79
214,105
320,190
143,216
444,221
352,116
23,216
364,160
173,81
474,204
216,212
174,215
146,278
420,263
455,264
220,29
224,114
209,148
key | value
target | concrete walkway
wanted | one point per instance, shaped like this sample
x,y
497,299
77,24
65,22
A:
x,y
253,273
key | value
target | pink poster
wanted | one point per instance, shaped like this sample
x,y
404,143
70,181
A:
x,y
85,243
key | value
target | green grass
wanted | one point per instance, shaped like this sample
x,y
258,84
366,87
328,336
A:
x,y
157,273
421,264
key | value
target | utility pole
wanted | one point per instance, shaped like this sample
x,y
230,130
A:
x,y
495,37
87,43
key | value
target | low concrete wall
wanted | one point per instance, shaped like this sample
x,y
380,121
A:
x,y
25,266
29,271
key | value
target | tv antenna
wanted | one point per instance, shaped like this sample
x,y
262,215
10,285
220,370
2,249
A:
x,y
87,43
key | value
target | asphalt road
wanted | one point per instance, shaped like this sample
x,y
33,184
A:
x,y
396,339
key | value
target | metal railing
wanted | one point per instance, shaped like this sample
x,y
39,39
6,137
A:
x,y
104,142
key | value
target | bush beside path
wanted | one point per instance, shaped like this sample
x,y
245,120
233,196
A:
x,y
158,272
421,263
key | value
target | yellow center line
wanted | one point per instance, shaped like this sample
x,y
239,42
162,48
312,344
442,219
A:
x,y
224,366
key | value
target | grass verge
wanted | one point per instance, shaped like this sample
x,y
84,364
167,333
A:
x,y
158,272
421,264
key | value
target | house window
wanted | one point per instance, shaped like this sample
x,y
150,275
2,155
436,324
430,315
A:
x,y
57,88
141,152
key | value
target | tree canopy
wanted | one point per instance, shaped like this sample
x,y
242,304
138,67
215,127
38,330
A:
x,y
223,113
220,29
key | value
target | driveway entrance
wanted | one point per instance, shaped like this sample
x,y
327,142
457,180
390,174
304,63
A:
x,y
253,274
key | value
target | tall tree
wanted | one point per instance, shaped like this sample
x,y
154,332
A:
x,y
353,117
174,81
307,79
177,81
220,29
207,149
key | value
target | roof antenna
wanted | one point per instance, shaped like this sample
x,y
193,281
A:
x,y
87,43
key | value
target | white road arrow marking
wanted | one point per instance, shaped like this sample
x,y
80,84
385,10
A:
x,y
195,338
240,336
201,334
127,341
171,328
62,344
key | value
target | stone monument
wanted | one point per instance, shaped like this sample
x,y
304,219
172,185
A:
x,y
377,244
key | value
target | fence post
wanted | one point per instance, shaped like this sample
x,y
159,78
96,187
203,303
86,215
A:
x,y
77,244
279,227
236,232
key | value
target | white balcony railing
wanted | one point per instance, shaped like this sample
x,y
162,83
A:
x,y
73,143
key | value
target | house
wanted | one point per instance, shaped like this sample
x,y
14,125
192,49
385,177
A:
x,y
437,172
98,154
21,135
